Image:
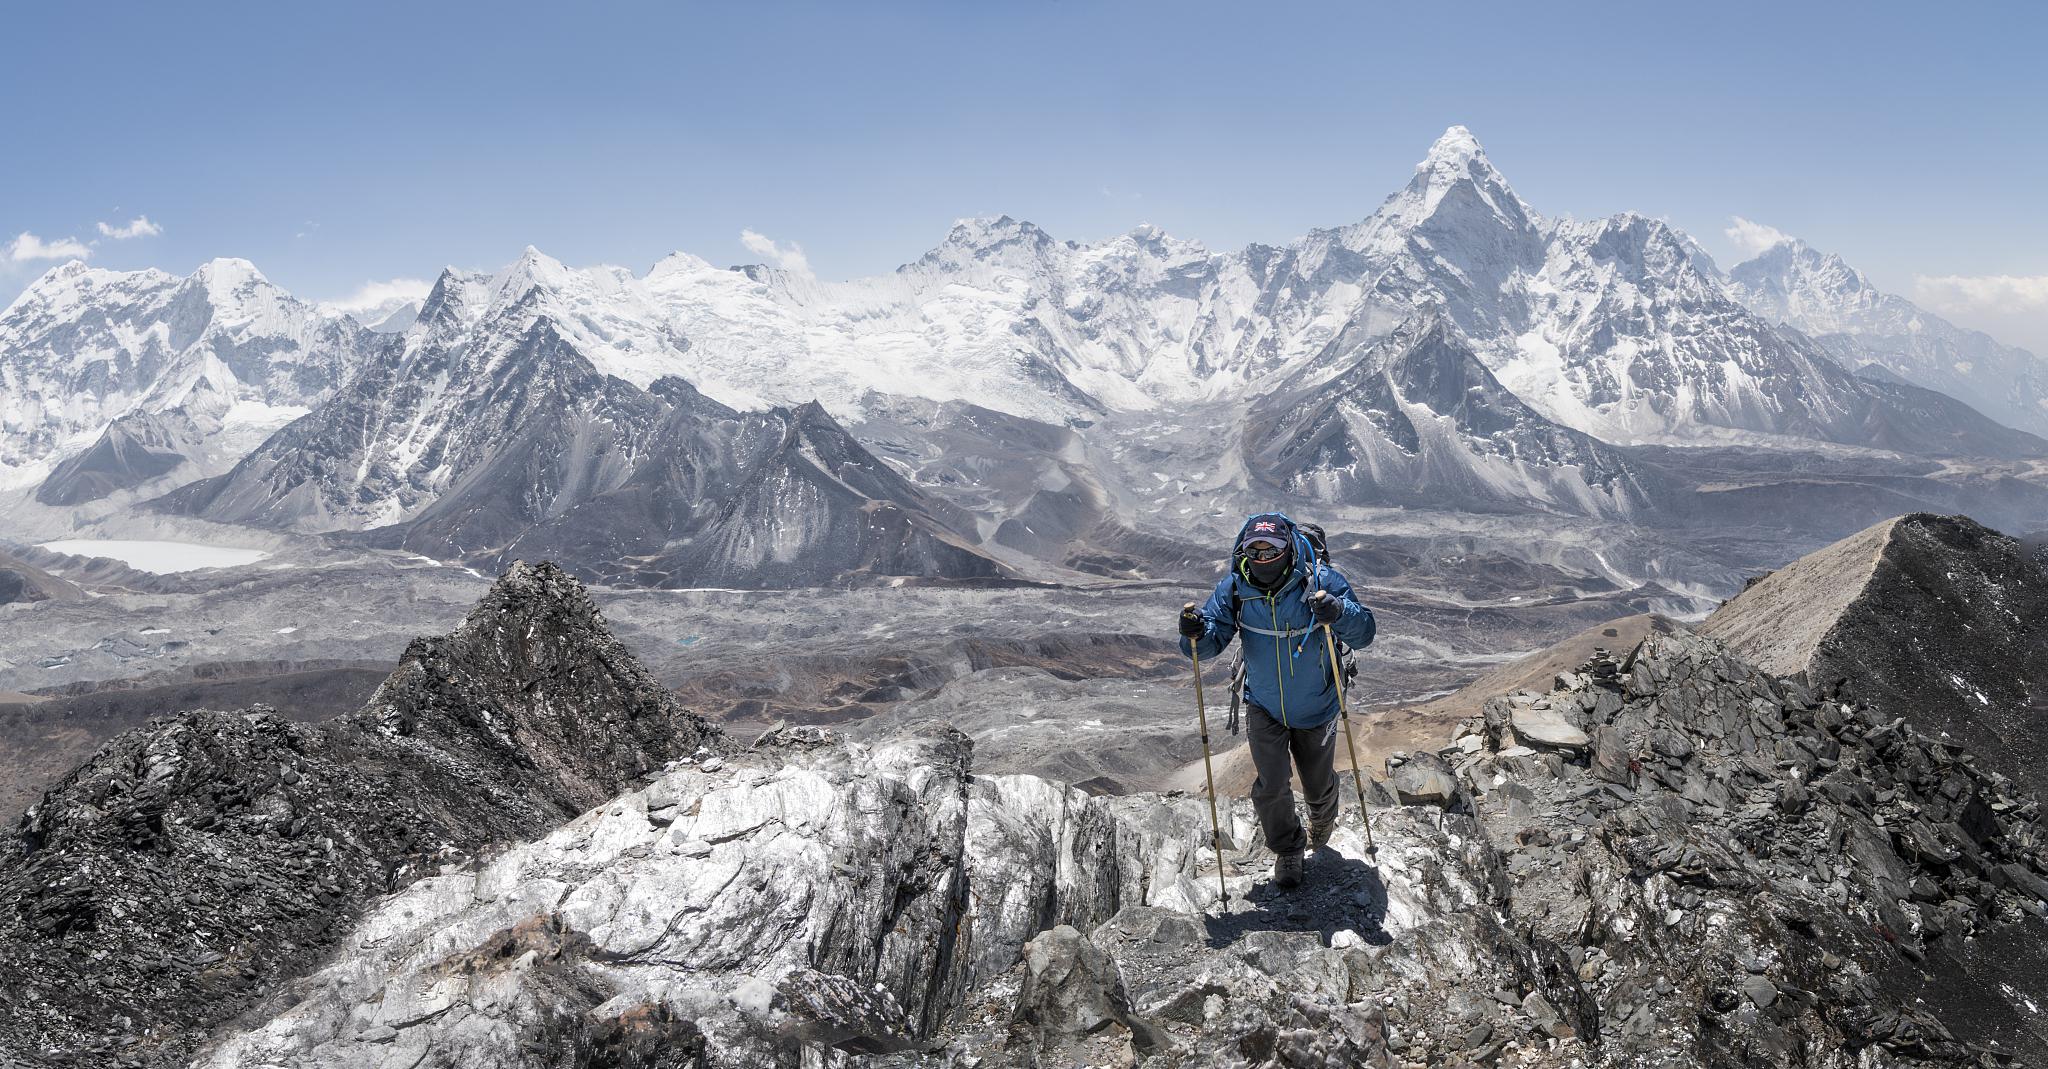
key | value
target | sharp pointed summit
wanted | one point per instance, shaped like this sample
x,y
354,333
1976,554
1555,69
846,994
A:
x,y
532,269
1456,148
1457,164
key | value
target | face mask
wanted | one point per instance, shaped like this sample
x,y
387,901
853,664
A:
x,y
1268,573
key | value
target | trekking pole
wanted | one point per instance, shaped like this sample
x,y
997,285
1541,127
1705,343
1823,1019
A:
x,y
1209,773
1344,713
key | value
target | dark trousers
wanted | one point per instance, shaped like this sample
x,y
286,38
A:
x,y
1312,752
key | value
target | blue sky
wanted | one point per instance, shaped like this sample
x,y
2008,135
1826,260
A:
x,y
339,144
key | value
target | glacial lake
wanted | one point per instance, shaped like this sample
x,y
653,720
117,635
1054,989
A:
x,y
159,557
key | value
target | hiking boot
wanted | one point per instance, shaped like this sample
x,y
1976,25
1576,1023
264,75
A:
x,y
1319,832
1287,871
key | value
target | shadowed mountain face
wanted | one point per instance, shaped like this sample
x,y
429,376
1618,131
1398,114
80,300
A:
x,y
1416,419
191,866
513,416
774,499
1935,619
132,450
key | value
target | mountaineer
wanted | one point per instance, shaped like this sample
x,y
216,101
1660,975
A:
x,y
1282,589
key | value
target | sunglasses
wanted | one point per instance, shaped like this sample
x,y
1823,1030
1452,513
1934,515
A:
x,y
1263,552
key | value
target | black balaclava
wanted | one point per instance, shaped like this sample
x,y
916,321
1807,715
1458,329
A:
x,y
1266,527
1269,575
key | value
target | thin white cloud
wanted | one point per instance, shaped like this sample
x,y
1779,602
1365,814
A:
x,y
788,257
27,246
381,296
1751,238
138,227
1983,293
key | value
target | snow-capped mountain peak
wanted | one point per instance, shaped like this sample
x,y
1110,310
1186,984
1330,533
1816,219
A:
x,y
45,285
994,240
62,290
231,296
1796,283
1456,147
456,300
607,314
679,263
1820,294
84,347
1455,157
1643,250
1457,171
229,275
532,269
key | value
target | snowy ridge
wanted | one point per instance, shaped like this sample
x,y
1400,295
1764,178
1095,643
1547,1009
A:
x,y
82,347
1633,340
517,419
1620,329
1416,418
1820,294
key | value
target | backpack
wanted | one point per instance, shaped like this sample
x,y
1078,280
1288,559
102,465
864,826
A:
x,y
1320,544
1316,541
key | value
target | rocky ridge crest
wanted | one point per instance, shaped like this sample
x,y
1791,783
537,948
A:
x,y
1670,859
1933,618
192,866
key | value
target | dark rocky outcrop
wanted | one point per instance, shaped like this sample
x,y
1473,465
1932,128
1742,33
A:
x,y
1668,858
1745,872
63,727
1934,618
193,866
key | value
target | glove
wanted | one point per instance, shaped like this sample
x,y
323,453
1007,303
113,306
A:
x,y
1327,610
1192,623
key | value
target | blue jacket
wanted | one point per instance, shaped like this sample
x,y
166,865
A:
x,y
1287,659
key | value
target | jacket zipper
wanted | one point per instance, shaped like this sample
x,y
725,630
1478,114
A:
x,y
1273,614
